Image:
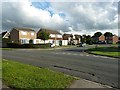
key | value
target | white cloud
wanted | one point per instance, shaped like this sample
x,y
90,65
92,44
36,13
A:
x,y
80,17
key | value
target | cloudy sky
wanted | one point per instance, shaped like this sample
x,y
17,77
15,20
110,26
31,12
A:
x,y
66,17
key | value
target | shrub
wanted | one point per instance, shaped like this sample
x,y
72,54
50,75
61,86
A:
x,y
17,45
14,45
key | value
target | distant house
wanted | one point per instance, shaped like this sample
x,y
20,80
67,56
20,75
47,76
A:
x,y
22,35
112,40
72,39
77,39
98,39
68,37
55,36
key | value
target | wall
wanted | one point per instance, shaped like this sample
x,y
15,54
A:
x,y
27,34
14,36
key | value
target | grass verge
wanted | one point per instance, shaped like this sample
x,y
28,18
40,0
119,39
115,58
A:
x,y
107,51
18,75
5,48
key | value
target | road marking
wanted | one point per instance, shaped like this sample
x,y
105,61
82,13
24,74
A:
x,y
75,54
63,53
81,55
69,53
95,56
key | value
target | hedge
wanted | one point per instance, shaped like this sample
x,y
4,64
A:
x,y
17,45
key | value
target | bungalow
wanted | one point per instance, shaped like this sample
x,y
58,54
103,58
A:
x,y
55,36
22,35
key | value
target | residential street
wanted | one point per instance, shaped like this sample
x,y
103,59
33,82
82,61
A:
x,y
73,61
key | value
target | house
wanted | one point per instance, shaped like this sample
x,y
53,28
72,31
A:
x,y
115,39
5,34
68,37
77,39
22,35
72,39
55,36
112,40
100,39
4,38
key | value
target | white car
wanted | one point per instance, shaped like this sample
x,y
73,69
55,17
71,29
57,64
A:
x,y
52,45
84,44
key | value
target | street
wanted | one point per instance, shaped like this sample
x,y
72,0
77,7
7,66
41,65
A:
x,y
73,61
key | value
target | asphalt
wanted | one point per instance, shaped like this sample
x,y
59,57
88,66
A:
x,y
73,61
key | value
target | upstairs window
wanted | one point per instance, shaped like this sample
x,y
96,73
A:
x,y
32,33
23,33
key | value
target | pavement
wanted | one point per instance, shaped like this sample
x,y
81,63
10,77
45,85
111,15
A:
x,y
82,83
100,70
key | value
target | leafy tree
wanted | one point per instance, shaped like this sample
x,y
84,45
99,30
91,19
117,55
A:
x,y
108,34
88,39
43,35
97,34
83,38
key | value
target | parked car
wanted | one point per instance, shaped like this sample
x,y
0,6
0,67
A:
x,y
52,45
82,45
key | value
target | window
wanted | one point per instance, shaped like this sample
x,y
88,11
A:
x,y
23,33
32,33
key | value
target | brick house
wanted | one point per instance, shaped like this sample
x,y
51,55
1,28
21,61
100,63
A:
x,y
98,39
115,39
55,36
22,35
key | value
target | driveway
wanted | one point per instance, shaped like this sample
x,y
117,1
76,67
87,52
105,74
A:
x,y
72,61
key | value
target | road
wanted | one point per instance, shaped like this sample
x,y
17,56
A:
x,y
72,61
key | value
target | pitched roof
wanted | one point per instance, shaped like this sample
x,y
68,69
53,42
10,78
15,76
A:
x,y
66,36
49,31
77,36
23,29
5,34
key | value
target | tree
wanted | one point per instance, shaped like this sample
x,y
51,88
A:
x,y
97,34
88,39
43,35
108,34
83,38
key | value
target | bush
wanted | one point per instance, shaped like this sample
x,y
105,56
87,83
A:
x,y
14,45
17,45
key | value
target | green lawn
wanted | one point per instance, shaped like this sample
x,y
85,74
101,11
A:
x,y
5,48
18,75
109,51
0,68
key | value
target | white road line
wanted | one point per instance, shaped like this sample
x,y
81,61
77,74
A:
x,y
87,55
81,55
63,53
69,53
95,56
75,54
